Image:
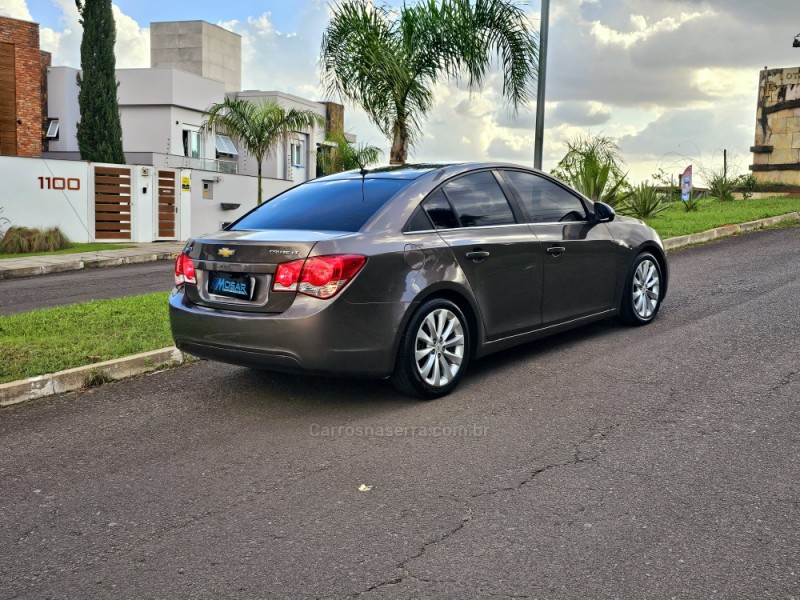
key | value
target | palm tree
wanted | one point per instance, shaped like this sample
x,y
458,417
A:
x,y
258,126
593,166
388,61
344,156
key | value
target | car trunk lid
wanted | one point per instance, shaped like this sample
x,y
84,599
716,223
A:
x,y
235,269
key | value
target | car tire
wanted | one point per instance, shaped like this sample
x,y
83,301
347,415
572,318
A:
x,y
641,297
434,351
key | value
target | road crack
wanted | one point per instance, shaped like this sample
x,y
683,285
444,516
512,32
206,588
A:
x,y
579,456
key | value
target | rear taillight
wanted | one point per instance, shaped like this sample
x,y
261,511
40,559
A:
x,y
184,270
319,276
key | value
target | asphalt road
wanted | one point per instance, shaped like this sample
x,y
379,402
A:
x,y
613,462
57,289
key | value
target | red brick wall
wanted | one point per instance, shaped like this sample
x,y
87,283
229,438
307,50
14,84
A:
x,y
25,37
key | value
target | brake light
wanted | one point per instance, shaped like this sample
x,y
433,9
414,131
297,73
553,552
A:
x,y
319,276
184,270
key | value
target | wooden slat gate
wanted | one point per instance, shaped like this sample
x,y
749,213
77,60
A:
x,y
167,205
112,203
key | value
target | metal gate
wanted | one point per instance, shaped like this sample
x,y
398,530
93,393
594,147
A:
x,y
112,203
167,206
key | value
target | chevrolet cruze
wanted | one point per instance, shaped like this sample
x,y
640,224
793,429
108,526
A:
x,y
410,273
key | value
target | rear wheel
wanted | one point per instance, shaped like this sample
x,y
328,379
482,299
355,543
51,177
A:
x,y
434,351
642,296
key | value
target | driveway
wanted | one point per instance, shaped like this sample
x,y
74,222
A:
x,y
609,462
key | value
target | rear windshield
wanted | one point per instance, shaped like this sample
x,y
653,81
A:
x,y
333,205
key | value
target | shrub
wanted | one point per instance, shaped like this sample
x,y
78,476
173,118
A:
x,y
693,203
21,240
593,166
644,201
746,184
721,186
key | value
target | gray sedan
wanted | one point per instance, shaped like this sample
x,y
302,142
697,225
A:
x,y
410,273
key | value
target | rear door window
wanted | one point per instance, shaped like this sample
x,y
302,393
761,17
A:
x,y
332,205
440,211
545,201
478,200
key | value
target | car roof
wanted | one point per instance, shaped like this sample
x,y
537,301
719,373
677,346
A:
x,y
415,171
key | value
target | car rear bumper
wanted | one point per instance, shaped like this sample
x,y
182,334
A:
x,y
331,337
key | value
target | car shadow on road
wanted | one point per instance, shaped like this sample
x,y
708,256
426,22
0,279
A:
x,y
513,358
339,395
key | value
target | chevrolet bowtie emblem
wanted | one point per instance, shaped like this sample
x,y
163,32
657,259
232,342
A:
x,y
226,252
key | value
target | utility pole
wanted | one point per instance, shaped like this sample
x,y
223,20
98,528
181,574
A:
x,y
544,27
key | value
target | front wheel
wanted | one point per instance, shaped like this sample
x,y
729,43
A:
x,y
642,296
434,351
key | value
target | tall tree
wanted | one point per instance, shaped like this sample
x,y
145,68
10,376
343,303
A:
x,y
100,130
388,60
258,126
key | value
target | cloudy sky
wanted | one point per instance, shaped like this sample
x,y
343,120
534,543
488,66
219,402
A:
x,y
673,80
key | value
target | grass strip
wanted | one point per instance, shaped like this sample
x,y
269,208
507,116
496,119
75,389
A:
x,y
712,213
54,339
71,249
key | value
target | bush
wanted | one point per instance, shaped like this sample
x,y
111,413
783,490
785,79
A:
x,y
693,203
720,186
644,201
593,166
746,184
21,240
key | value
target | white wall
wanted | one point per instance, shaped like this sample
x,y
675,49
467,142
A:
x,y
26,201
62,104
207,215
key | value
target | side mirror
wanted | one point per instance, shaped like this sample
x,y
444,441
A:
x,y
603,213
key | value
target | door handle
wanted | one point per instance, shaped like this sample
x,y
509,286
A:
x,y
477,255
556,250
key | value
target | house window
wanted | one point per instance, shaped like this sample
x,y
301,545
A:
x,y
52,130
225,147
192,143
298,154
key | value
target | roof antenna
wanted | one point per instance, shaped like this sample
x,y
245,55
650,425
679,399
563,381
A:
x,y
363,172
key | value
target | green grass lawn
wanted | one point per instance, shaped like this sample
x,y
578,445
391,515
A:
x,y
53,339
72,249
712,213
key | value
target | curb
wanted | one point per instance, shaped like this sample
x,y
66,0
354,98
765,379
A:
x,y
85,263
33,388
725,231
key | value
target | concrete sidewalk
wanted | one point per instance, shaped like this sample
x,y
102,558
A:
x,y
56,263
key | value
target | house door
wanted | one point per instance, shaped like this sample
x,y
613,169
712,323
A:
x,y
167,206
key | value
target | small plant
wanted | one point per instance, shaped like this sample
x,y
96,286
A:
x,y
719,184
693,203
96,378
21,240
645,201
746,184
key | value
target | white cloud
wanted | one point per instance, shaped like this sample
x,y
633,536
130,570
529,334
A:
x,y
641,30
16,9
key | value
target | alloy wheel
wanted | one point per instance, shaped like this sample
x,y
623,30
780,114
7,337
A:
x,y
646,289
439,349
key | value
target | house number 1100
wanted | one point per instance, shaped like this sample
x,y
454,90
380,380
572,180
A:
x,y
59,183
